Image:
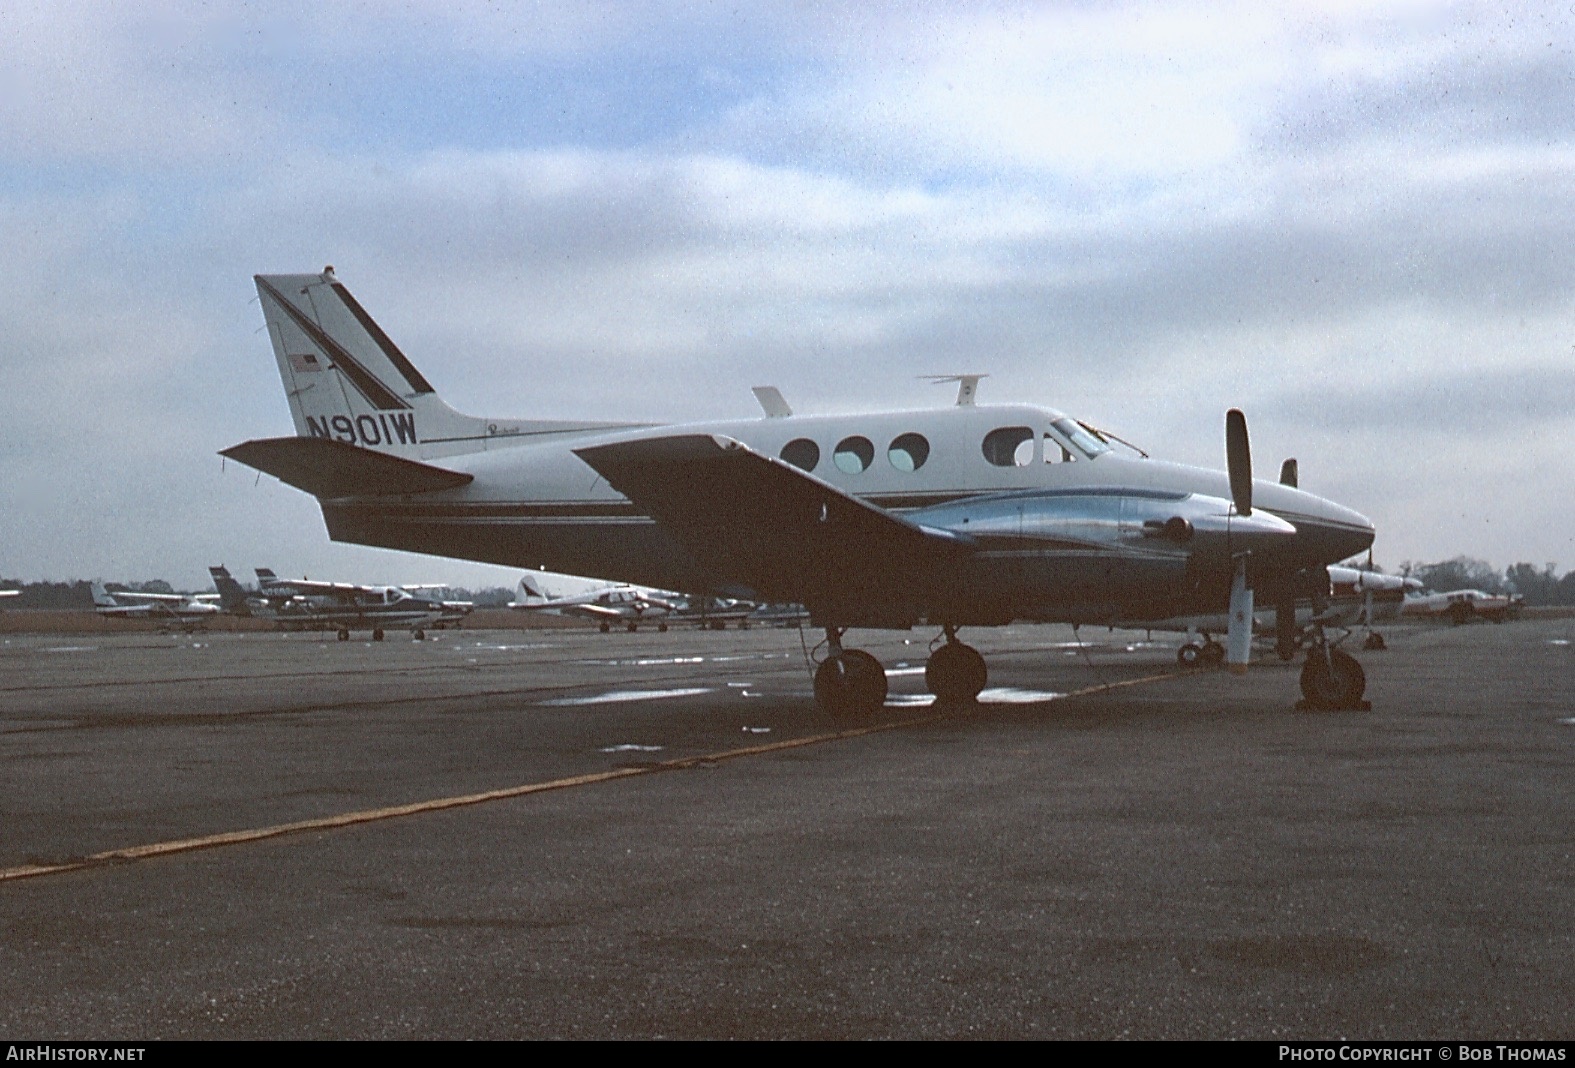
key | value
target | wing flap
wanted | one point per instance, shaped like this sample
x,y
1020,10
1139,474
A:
x,y
774,528
327,468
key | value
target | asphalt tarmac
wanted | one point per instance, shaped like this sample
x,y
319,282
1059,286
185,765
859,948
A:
x,y
1105,848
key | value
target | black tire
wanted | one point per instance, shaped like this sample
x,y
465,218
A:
x,y
419,635
606,628
662,627
1212,654
853,683
377,635
956,673
344,635
632,627
1339,683
1374,640
1189,655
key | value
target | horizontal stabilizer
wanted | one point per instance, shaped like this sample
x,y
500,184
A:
x,y
770,526
327,468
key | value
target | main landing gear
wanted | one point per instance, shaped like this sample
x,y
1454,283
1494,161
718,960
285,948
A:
x,y
955,672
848,681
852,682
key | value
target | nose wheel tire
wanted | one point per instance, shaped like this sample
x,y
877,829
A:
x,y
955,673
344,635
1337,683
1189,655
850,683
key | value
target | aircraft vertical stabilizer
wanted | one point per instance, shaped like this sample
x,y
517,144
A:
x,y
348,382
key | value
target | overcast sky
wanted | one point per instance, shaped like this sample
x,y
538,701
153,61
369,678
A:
x,y
1354,221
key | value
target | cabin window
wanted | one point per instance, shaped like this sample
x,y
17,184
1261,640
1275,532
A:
x,y
802,453
908,452
1009,446
1057,453
853,455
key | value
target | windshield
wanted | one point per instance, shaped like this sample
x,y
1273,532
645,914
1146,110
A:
x,y
1080,439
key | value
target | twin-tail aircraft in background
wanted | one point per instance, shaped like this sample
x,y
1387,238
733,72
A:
x,y
304,604
958,517
173,611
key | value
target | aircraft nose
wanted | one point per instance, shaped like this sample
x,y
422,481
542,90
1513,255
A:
x,y
1331,532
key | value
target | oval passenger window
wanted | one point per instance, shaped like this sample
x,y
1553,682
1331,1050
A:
x,y
908,452
1009,446
802,453
853,455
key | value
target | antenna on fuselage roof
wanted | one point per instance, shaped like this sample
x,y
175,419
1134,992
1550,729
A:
x,y
967,386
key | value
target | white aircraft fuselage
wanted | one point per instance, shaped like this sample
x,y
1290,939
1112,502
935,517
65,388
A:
x,y
1066,540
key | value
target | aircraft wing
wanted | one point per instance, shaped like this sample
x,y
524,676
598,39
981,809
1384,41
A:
x,y
324,467
772,527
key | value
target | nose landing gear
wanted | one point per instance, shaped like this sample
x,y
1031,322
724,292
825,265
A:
x,y
1332,680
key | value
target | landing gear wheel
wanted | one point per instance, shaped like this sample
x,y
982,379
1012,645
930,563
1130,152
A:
x,y
377,635
1460,614
1374,641
1212,654
662,627
1336,684
719,624
606,628
419,635
955,673
743,624
632,627
1189,655
344,635
850,683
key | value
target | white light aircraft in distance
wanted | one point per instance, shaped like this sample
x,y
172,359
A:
x,y
608,604
305,604
611,604
1461,606
169,609
963,516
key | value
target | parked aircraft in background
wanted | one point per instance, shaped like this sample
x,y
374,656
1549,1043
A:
x,y
1355,598
619,604
608,604
9,593
304,604
173,610
1462,606
958,517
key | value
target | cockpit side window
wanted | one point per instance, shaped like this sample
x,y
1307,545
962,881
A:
x,y
1081,439
1009,446
1057,453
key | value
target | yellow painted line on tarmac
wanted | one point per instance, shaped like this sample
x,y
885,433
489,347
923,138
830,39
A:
x,y
129,854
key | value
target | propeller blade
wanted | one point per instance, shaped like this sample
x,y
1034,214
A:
x,y
1238,639
1288,473
1238,460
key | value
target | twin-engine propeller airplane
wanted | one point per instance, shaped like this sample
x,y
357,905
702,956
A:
x,y
603,603
959,517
